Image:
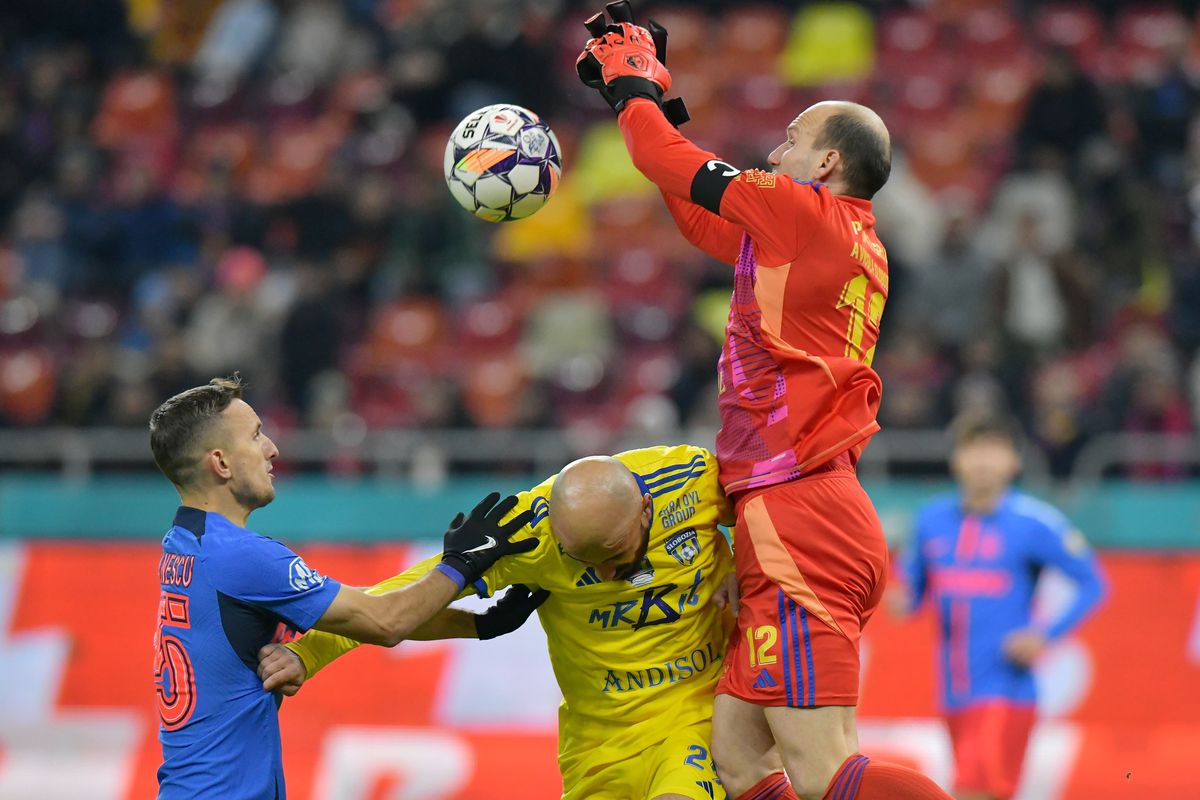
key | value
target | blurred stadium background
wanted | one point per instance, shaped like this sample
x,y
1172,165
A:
x,y
192,187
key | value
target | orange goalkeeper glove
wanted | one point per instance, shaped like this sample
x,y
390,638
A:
x,y
623,60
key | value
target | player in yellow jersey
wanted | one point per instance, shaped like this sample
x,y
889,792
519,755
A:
x,y
629,550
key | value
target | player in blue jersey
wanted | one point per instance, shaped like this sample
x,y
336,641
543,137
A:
x,y
227,592
977,555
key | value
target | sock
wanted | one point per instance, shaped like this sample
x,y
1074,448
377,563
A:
x,y
860,778
773,787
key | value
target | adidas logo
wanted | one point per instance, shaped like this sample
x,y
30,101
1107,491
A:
x,y
764,681
707,786
588,578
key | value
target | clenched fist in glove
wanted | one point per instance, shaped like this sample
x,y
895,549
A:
x,y
623,60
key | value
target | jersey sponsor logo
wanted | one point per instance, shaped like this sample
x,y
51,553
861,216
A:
x,y
644,575
684,546
679,510
302,577
970,582
697,662
658,605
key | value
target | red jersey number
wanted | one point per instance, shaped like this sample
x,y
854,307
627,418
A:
x,y
174,677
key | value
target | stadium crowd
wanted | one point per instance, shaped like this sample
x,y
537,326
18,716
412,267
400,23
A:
x,y
192,188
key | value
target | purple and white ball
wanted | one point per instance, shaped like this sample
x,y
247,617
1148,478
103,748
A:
x,y
502,163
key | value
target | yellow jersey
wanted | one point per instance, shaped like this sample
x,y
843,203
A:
x,y
637,658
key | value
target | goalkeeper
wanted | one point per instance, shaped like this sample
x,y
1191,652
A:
x,y
798,401
631,574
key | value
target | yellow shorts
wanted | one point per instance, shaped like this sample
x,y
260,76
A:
x,y
681,764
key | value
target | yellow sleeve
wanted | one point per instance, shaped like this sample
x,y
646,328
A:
x,y
318,649
523,568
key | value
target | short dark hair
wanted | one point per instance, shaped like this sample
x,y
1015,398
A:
x,y
866,155
178,425
972,427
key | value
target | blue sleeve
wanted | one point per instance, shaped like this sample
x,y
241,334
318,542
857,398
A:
x,y
1055,543
265,573
913,567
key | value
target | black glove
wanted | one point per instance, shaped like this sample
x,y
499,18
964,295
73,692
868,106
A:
x,y
510,611
620,90
473,544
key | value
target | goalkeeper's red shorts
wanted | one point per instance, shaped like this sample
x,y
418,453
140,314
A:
x,y
811,566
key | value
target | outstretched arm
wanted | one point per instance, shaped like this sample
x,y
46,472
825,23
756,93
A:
x,y
286,668
718,237
772,208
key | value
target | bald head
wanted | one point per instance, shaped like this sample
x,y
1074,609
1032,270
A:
x,y
861,140
597,511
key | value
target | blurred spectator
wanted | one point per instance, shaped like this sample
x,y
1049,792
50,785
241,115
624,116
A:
x,y
950,295
1184,315
1164,110
916,380
1065,111
191,188
234,41
1157,406
310,338
229,329
1059,422
1034,305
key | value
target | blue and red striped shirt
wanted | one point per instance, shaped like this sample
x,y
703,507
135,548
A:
x,y
981,572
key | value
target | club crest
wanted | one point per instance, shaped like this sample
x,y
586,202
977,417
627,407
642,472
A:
x,y
684,546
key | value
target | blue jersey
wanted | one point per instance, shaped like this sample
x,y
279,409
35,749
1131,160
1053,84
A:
x,y
226,592
981,572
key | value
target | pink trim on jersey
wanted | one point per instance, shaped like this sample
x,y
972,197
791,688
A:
x,y
960,630
747,366
968,538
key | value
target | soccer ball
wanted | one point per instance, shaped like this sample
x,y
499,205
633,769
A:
x,y
502,163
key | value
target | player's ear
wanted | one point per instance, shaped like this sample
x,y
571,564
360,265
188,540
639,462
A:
x,y
215,461
829,162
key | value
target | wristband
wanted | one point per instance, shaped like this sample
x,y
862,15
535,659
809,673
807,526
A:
x,y
450,572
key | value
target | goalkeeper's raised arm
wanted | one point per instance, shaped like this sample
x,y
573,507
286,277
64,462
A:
x,y
833,149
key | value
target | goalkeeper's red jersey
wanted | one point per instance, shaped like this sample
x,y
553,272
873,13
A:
x,y
810,282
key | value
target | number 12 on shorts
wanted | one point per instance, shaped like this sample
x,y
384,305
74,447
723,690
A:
x,y
760,641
